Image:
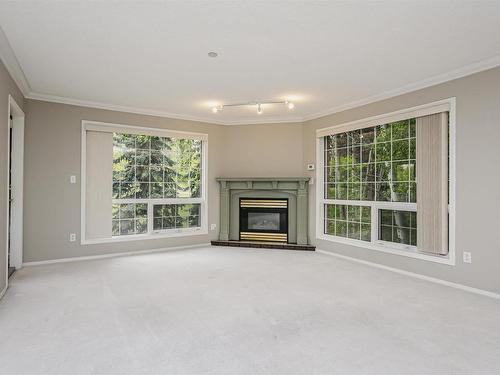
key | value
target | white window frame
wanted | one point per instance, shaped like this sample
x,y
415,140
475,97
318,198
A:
x,y
376,244
152,234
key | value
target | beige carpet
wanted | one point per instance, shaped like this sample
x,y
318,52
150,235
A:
x,y
241,311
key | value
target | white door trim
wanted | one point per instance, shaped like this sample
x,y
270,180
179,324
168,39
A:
x,y
17,172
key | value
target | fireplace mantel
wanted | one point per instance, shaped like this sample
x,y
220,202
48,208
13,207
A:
x,y
293,188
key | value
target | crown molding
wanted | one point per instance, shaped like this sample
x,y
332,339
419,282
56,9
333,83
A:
x,y
433,81
151,112
118,108
12,65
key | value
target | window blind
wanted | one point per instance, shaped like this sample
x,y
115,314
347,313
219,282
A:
x,y
98,187
432,183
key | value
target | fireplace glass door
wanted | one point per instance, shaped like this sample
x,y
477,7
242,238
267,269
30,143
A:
x,y
264,219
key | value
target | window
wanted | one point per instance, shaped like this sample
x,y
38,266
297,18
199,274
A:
x,y
142,182
375,164
148,173
370,189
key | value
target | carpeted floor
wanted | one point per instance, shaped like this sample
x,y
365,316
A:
x,y
241,311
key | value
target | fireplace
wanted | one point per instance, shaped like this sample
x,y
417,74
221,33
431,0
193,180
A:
x,y
264,220
264,212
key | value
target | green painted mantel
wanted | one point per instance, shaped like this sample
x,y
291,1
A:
x,y
295,189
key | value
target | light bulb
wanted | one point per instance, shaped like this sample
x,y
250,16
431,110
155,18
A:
x,y
215,109
290,105
259,109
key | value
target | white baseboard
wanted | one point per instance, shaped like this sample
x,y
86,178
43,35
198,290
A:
x,y
415,275
112,255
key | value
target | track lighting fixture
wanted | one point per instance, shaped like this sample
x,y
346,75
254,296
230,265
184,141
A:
x,y
259,105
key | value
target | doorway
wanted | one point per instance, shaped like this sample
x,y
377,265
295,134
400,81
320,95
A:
x,y
15,175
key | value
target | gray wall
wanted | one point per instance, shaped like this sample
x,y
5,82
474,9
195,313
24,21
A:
x,y
7,86
52,204
264,150
477,179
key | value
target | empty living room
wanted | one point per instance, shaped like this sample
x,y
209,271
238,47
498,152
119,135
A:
x,y
249,187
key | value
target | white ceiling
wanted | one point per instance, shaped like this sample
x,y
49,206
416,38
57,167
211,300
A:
x,y
151,57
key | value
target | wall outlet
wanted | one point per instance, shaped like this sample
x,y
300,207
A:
x,y
467,257
72,179
72,237
213,226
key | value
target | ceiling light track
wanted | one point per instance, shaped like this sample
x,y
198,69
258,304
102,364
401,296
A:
x,y
220,108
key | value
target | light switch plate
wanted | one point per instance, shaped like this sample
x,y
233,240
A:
x,y
72,179
467,257
213,226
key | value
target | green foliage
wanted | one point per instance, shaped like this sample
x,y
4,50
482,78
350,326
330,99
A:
x,y
350,221
129,218
376,163
171,216
155,167
398,226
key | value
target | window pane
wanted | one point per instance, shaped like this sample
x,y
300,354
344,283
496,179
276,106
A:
x,y
400,192
368,136
342,191
341,228
330,157
400,150
368,153
157,143
354,230
402,170
366,234
368,172
330,227
398,226
368,192
342,156
383,152
329,142
354,191
383,192
174,216
400,129
350,221
129,218
383,133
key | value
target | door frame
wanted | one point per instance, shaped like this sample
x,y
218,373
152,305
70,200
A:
x,y
15,226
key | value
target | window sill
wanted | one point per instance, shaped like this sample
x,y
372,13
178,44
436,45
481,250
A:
x,y
407,251
145,237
